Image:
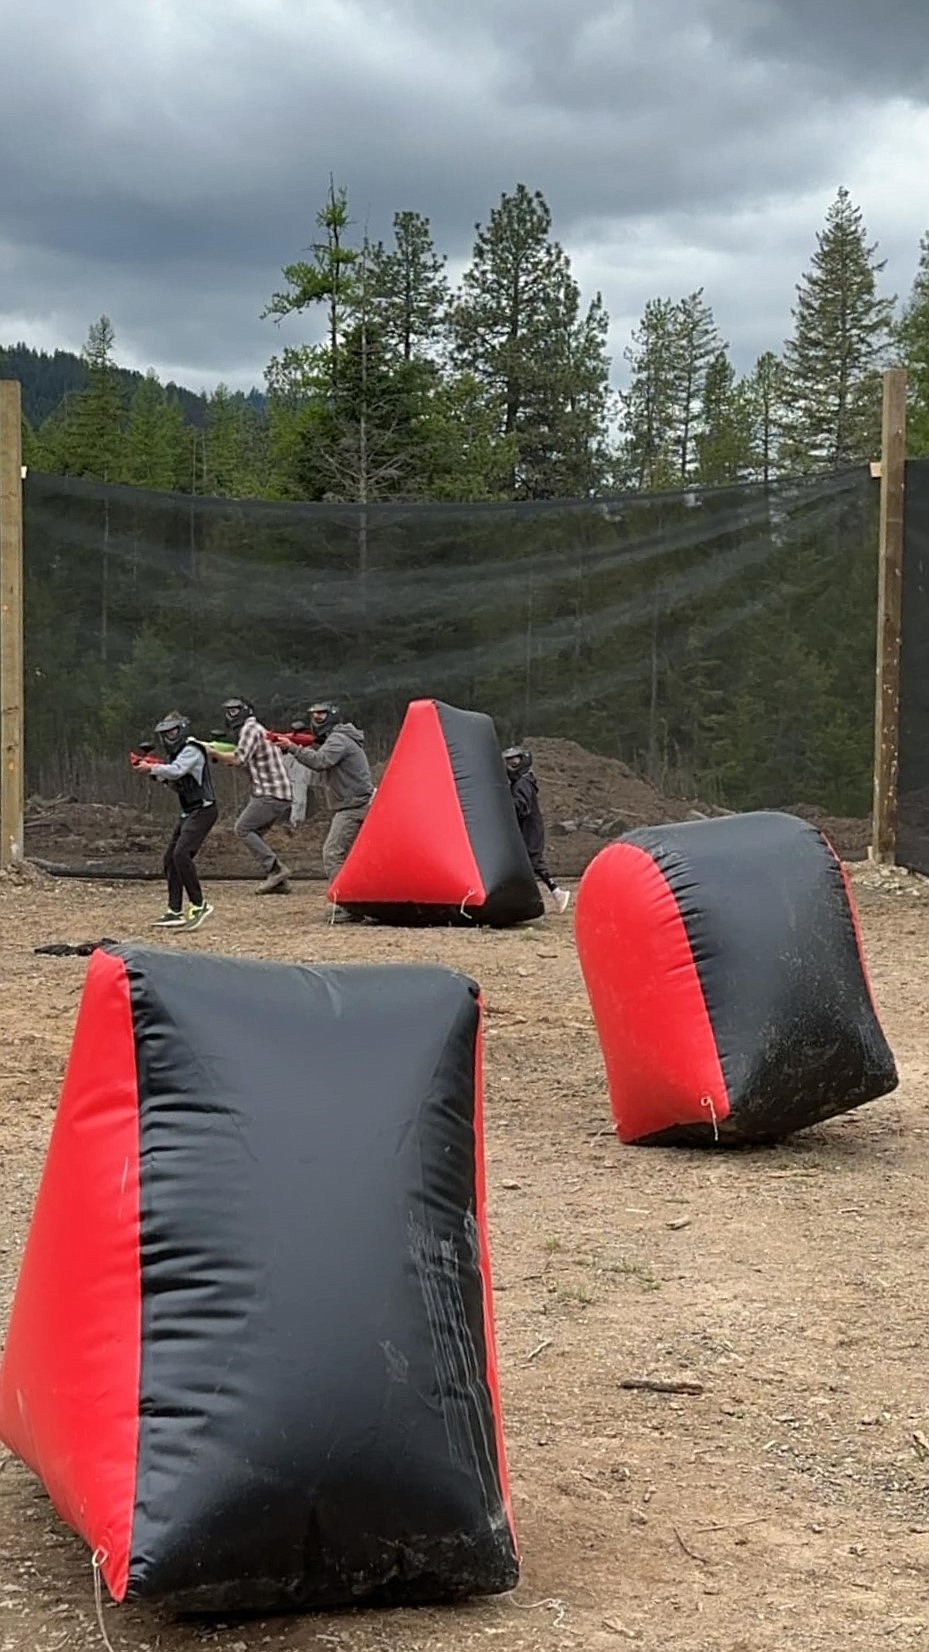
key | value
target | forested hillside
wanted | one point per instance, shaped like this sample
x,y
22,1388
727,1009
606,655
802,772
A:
x,y
48,379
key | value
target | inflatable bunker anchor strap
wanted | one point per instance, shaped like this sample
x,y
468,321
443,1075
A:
x,y
724,968
251,1352
440,843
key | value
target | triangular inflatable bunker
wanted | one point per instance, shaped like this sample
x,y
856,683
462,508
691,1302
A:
x,y
441,843
724,968
251,1352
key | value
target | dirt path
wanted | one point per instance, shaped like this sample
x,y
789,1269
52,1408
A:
x,y
785,1507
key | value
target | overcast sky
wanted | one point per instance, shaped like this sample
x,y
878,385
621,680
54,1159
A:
x,y
161,160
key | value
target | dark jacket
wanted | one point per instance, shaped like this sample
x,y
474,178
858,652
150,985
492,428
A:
x,y
190,775
342,762
525,793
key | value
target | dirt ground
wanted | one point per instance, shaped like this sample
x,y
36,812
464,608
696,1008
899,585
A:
x,y
786,1506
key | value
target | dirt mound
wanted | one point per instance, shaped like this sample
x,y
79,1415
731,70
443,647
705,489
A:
x,y
849,836
114,837
580,786
587,800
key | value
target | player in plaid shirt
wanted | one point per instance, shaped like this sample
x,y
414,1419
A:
x,y
272,793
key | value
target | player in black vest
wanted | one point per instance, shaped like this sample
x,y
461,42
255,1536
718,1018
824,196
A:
x,y
187,771
524,790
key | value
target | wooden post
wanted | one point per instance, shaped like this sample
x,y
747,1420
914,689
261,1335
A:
x,y
889,589
11,624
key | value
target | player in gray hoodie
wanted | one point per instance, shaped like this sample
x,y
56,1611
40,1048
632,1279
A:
x,y
339,759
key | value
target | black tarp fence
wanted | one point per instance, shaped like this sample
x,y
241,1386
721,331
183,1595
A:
x,y
720,642
912,845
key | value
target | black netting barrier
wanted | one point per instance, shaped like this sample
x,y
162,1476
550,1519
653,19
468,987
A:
x,y
662,653
913,772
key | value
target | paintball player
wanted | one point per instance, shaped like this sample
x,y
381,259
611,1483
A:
x,y
187,771
524,790
339,758
271,791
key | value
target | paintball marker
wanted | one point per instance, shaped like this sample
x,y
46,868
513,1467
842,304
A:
x,y
219,741
144,756
299,736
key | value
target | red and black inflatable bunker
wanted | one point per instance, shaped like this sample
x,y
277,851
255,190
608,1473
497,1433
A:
x,y
251,1353
440,844
723,963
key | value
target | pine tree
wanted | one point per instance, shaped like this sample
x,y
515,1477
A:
x,y
327,277
841,328
296,387
223,446
912,347
88,440
465,457
255,452
697,342
766,390
155,445
570,458
99,421
84,437
650,403
516,330
409,289
724,441
361,439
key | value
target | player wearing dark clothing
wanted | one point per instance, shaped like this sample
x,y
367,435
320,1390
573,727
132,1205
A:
x,y
524,789
187,771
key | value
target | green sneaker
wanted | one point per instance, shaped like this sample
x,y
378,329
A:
x,y
198,915
170,920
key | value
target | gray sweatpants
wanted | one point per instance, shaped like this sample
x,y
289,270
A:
x,y
257,818
346,824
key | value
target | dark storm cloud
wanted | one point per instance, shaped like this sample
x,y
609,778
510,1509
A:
x,y
880,48
163,168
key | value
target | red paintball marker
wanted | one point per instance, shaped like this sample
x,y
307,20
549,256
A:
x,y
299,735
144,757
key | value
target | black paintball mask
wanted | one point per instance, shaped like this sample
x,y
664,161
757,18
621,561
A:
x,y
323,718
236,712
518,760
173,732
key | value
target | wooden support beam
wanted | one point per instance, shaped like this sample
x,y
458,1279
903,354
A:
x,y
889,592
11,624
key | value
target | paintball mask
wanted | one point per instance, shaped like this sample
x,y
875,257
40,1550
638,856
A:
x,y
323,719
236,712
518,760
173,731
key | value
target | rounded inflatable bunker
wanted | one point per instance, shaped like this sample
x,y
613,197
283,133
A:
x,y
723,963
